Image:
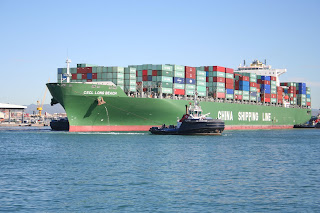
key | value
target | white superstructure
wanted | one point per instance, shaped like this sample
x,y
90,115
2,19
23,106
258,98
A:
x,y
260,68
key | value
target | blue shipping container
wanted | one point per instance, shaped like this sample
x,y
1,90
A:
x,y
89,75
149,77
308,96
244,88
266,78
190,81
229,91
268,91
59,70
244,83
177,80
253,94
265,86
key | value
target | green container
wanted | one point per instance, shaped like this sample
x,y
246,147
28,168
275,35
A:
x,y
178,86
130,76
167,90
273,83
201,88
201,73
189,92
236,92
253,89
149,72
273,87
117,75
245,97
118,81
165,79
253,80
130,70
308,99
251,75
219,84
130,82
118,69
201,78
178,68
154,78
253,98
202,94
210,79
164,68
190,86
229,96
219,74
219,89
167,84
130,88
201,83
165,73
245,92
79,76
273,91
273,100
179,74
301,96
229,75
73,70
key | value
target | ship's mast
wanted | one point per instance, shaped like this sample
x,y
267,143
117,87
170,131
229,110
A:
x,y
68,61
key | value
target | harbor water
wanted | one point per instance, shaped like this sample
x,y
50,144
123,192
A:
x,y
240,171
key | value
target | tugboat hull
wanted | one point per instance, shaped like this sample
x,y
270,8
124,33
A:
x,y
192,127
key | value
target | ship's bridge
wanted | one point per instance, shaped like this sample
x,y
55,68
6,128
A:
x,y
260,68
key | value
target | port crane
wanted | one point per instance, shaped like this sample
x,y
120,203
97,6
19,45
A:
x,y
40,106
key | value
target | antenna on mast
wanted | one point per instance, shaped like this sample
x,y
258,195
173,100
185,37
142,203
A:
x,y
244,63
265,61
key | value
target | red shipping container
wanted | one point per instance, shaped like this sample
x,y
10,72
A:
x,y
236,82
259,81
273,95
79,70
236,87
94,75
294,95
253,84
144,72
286,97
258,86
244,78
88,69
145,78
280,101
265,100
190,75
265,95
145,89
190,69
219,79
219,69
206,68
219,95
229,70
89,80
258,89
265,82
239,97
291,98
154,72
179,91
84,76
308,103
229,86
229,81
74,76
279,89
137,73
273,78
207,79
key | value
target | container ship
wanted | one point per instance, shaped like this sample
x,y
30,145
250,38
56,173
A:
x,y
137,97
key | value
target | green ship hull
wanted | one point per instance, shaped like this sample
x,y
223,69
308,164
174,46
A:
x,y
94,107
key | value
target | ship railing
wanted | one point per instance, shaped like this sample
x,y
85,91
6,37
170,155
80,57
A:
x,y
211,99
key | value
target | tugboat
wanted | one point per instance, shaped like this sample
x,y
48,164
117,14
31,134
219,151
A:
x,y
60,125
192,123
314,122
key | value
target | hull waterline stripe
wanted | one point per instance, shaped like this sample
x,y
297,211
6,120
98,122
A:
x,y
147,127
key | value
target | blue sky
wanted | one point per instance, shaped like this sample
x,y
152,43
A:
x,y
36,36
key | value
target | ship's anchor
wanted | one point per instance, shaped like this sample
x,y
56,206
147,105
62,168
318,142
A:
x,y
100,101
